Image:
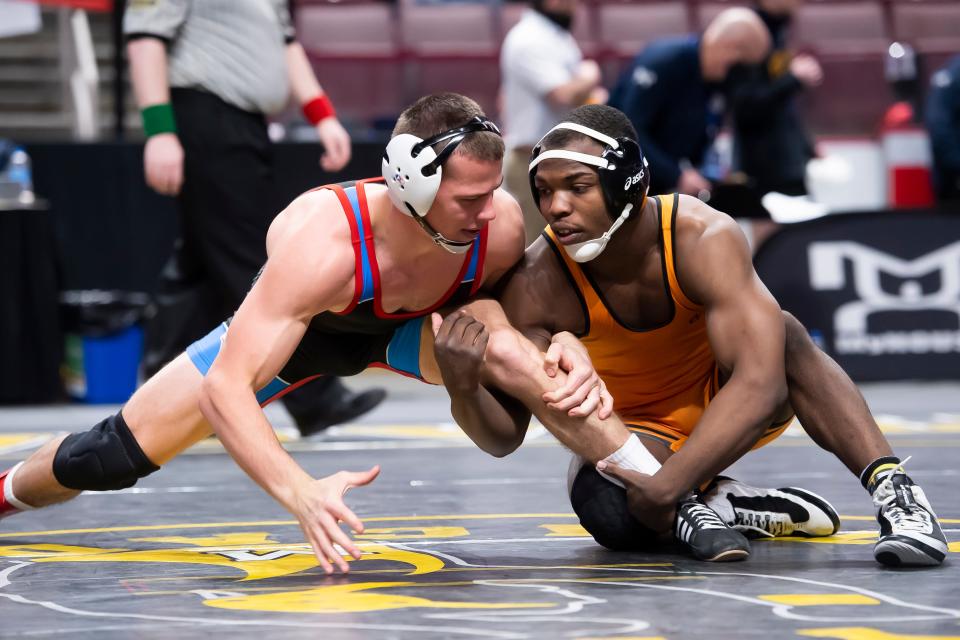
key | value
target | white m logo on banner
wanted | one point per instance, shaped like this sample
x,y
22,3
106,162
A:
x,y
850,320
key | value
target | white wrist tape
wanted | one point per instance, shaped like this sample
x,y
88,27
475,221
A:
x,y
632,455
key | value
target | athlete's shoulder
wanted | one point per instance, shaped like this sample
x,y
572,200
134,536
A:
x,y
538,292
709,245
313,233
539,275
696,221
318,207
505,237
509,220
541,260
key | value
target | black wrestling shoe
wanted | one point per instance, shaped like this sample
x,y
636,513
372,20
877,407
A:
x,y
909,532
700,529
343,408
769,513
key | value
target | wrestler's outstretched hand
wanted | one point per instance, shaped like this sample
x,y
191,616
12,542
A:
x,y
320,509
583,391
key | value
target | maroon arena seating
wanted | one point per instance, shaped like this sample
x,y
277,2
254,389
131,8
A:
x,y
374,56
355,51
625,28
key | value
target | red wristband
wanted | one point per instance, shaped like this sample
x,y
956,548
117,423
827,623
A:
x,y
320,108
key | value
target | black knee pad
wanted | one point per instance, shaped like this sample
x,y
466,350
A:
x,y
602,509
103,459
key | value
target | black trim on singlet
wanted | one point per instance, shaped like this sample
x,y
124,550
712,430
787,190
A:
x,y
666,285
673,244
573,285
663,272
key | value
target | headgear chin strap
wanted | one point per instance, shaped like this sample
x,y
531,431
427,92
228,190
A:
x,y
453,246
624,180
413,170
589,249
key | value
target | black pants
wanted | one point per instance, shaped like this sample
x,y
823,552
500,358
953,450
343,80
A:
x,y
227,202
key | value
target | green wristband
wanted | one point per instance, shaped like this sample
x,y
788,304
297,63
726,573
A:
x,y
158,118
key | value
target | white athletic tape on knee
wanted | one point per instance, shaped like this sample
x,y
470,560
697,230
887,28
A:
x,y
632,455
8,490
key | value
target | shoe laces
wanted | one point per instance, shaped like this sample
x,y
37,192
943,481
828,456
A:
x,y
906,518
703,517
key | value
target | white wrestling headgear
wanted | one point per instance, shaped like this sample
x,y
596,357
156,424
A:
x,y
624,179
412,170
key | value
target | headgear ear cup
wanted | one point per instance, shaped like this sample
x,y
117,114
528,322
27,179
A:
x,y
413,170
409,189
623,174
627,177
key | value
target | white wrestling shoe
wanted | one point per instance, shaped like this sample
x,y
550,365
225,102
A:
x,y
909,532
770,513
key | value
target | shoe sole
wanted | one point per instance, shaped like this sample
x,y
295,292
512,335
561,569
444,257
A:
x,y
901,551
821,504
730,555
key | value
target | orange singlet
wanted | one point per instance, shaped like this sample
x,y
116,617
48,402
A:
x,y
662,378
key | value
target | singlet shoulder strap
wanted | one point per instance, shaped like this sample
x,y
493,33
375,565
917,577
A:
x,y
584,289
361,237
669,206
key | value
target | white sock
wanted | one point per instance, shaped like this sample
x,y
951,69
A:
x,y
8,491
632,455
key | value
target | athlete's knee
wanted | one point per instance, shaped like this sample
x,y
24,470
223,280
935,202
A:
x,y
602,509
105,458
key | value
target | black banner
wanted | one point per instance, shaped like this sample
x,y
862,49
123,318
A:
x,y
880,292
115,233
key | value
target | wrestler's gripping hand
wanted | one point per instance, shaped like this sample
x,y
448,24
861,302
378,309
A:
x,y
584,391
459,342
320,510
646,501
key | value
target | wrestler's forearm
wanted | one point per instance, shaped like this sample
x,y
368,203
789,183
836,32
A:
x,y
730,426
516,365
239,422
495,424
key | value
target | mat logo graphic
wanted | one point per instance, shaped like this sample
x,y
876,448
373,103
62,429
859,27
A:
x,y
827,273
260,573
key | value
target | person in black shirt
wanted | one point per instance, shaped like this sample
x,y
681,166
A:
x,y
673,95
943,122
770,144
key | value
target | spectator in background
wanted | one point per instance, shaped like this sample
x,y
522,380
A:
x,y
673,92
543,76
204,80
770,144
943,123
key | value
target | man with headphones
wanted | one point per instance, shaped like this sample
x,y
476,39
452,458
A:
x,y
343,289
702,364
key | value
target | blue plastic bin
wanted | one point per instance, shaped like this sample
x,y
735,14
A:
x,y
104,344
